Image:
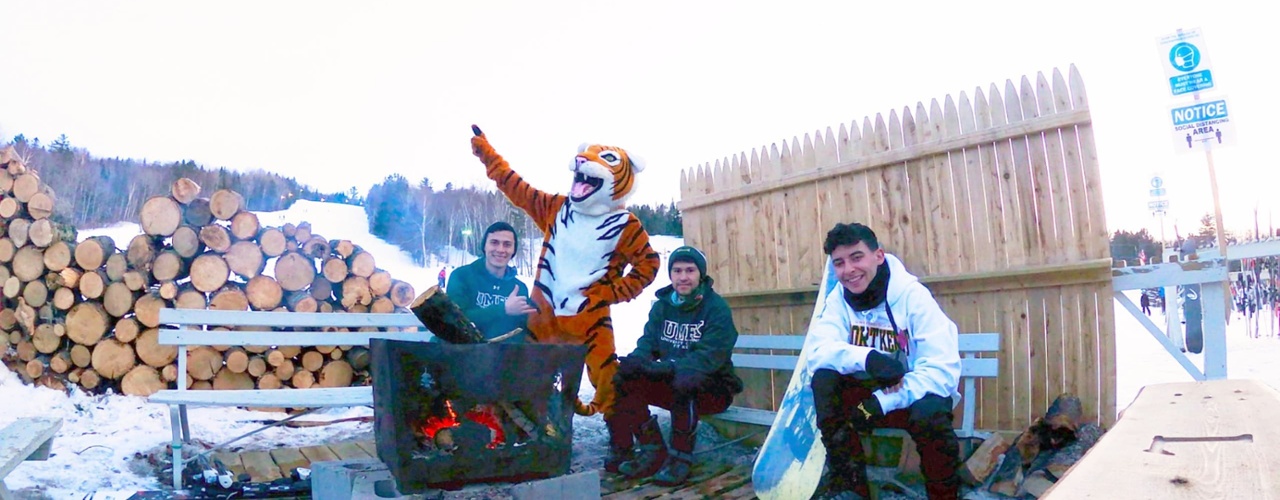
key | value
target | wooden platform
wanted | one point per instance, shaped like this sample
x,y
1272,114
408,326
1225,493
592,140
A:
x,y
708,480
1214,439
277,463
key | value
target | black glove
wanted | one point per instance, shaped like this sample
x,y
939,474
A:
x,y
631,366
868,411
881,371
688,381
661,368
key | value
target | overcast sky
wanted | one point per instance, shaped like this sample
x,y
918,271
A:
x,y
342,95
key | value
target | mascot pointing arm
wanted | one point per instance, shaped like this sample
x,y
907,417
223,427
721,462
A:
x,y
589,240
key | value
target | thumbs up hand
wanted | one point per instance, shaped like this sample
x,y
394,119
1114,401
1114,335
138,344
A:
x,y
517,305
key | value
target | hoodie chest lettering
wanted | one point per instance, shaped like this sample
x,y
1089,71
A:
x,y
682,335
490,299
881,339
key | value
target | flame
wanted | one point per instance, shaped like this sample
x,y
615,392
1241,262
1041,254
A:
x,y
434,424
482,414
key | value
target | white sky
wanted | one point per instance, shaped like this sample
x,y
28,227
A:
x,y
341,95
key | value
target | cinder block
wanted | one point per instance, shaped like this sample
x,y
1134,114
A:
x,y
580,486
364,479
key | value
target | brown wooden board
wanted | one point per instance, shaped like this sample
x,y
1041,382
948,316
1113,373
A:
x,y
260,466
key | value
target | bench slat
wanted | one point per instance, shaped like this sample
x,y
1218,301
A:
x,y
790,342
747,416
979,367
300,398
243,338
283,319
765,361
979,342
20,439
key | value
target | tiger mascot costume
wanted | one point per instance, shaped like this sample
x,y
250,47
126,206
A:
x,y
589,239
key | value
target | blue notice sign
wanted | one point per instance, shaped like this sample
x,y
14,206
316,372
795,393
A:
x,y
1207,123
1200,113
1191,82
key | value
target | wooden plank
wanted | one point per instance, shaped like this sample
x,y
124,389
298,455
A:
x,y
260,466
989,395
318,454
310,398
1037,338
701,471
21,438
991,182
1000,133
231,461
1019,371
713,487
899,196
1130,461
1024,181
1106,339
1007,175
369,446
348,450
960,210
1058,179
1057,321
1041,191
1074,168
288,459
1098,237
925,258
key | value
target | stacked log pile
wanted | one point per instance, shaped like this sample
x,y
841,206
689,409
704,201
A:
x,y
88,313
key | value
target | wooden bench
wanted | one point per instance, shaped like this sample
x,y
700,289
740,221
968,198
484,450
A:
x,y
253,328
25,439
971,368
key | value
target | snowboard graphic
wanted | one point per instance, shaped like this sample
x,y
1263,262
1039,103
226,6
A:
x,y
790,461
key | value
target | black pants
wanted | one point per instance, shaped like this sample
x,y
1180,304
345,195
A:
x,y
928,421
636,393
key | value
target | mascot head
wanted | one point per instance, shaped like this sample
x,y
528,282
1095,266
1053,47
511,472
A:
x,y
603,178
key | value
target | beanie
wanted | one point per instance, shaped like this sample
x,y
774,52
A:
x,y
688,254
499,226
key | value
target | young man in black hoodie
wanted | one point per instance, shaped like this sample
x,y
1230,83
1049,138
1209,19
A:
x,y
681,363
487,290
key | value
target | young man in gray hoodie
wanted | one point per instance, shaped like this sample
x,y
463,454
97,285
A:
x,y
881,354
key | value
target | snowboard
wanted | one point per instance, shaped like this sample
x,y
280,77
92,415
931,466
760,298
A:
x,y
1191,313
789,464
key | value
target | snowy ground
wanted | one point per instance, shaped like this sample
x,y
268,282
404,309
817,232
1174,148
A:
x,y
105,441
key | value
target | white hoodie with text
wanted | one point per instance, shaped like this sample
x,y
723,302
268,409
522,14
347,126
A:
x,y
841,338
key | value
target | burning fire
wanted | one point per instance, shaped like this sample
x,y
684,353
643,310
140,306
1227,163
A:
x,y
481,414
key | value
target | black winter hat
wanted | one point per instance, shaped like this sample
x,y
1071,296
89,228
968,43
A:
x,y
688,254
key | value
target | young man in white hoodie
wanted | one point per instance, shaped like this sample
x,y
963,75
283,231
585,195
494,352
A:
x,y
882,354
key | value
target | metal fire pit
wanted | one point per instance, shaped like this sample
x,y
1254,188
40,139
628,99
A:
x,y
446,415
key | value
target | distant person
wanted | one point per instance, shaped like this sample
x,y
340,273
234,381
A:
x,y
442,276
1160,292
1145,301
487,290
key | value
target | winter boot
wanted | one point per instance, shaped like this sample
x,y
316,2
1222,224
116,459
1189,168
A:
x,y
621,444
676,470
844,476
652,452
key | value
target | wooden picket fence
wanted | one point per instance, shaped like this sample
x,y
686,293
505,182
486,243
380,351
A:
x,y
995,202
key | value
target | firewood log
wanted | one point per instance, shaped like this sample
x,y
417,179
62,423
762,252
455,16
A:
x,y
89,379
136,280
45,340
215,237
343,248
60,362
301,301
184,190
25,349
245,226
336,374
112,359
8,319
203,362
245,259
225,204
256,367
315,247
289,229
435,310
115,267
190,298
93,283
272,240
285,370
302,233
160,216
303,379
147,309
19,231
36,293
43,232
355,290
87,322
143,381
294,271
169,373
361,263
10,208
264,293
81,356
210,271
71,277
92,253
236,359
41,206
380,283
7,249
312,360
230,297
127,329
197,213
151,352
186,242
35,368
358,356
269,381
142,250
118,299
26,186
169,290
229,380
334,269
28,263
321,288
58,255
200,385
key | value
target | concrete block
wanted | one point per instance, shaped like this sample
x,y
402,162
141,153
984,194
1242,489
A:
x,y
363,479
580,486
